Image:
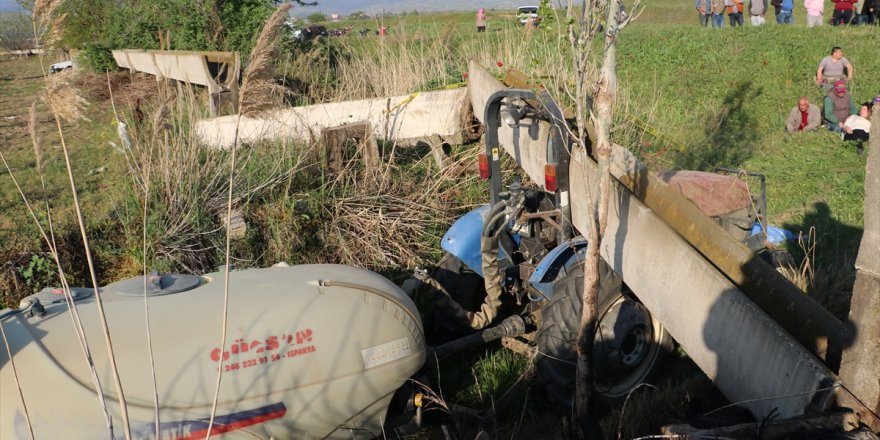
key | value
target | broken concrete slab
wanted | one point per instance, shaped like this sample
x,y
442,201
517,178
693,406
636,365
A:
x,y
217,71
407,120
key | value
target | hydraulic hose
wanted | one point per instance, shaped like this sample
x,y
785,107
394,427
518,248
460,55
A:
x,y
514,325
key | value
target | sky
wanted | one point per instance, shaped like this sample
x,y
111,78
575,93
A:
x,y
11,6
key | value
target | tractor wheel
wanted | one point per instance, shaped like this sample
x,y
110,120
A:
x,y
629,345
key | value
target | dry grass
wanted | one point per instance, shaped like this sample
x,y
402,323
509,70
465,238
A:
x,y
388,217
126,88
258,89
186,185
394,66
45,8
402,63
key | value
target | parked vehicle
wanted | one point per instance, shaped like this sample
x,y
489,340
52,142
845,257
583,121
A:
x,y
58,67
524,14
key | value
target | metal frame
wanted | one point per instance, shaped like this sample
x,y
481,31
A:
x,y
559,154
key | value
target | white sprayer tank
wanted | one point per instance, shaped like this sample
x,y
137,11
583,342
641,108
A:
x,y
312,351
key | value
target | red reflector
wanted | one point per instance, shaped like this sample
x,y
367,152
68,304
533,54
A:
x,y
550,177
484,166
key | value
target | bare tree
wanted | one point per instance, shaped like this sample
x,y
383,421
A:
x,y
15,31
595,96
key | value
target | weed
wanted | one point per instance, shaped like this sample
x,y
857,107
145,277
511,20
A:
x,y
39,272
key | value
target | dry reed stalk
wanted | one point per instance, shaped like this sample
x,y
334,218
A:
x,y
52,31
27,416
64,99
398,66
44,8
35,138
258,89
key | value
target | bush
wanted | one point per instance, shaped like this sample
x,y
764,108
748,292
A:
x,y
97,57
316,17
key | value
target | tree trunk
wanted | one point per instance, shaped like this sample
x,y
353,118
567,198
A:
x,y
603,106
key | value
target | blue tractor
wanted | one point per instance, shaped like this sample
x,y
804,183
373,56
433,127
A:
x,y
520,254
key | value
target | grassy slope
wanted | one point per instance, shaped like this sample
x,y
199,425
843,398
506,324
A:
x,y
723,96
99,175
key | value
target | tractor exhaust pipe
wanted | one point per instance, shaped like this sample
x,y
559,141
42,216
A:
x,y
512,326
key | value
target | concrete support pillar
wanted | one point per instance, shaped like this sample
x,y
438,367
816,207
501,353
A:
x,y
334,139
860,366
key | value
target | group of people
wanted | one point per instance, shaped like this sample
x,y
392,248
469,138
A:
x,y
844,12
839,112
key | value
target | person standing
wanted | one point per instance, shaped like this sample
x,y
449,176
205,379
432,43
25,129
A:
x,y
803,117
871,11
704,8
784,16
481,21
718,9
838,106
831,68
735,12
843,11
757,10
815,10
777,6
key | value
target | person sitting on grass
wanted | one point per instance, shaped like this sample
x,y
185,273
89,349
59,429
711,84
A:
x,y
858,127
837,106
831,69
803,117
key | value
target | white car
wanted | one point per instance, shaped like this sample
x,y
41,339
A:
x,y
64,65
524,13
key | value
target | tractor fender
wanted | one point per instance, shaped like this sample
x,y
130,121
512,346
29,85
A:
x,y
548,270
462,239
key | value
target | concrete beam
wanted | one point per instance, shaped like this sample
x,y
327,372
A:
x,y
406,119
190,67
742,349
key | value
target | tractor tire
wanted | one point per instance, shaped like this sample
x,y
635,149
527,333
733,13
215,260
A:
x,y
629,347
